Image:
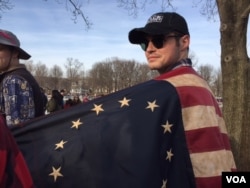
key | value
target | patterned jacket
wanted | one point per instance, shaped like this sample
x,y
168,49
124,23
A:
x,y
20,96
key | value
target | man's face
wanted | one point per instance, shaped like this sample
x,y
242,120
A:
x,y
163,51
5,56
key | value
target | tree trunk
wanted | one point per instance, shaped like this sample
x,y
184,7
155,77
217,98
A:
x,y
235,67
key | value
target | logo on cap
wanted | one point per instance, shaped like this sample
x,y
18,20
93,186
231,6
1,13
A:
x,y
155,18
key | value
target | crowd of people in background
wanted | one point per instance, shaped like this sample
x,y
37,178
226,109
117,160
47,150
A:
x,y
59,100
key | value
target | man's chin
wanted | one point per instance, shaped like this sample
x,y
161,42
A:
x,y
151,67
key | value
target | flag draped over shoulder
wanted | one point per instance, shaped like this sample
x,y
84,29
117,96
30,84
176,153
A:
x,y
205,129
133,138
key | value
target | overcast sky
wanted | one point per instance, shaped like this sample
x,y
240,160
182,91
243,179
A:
x,y
47,32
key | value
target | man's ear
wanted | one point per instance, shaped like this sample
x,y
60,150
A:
x,y
15,53
185,41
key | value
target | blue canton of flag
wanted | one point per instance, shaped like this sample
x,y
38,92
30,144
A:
x,y
133,138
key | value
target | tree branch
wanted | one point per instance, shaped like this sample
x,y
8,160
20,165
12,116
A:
x,y
209,8
246,12
78,12
5,5
167,4
75,8
133,6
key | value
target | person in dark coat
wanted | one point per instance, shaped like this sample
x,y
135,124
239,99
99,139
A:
x,y
20,94
55,102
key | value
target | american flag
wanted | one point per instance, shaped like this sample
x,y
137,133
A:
x,y
133,138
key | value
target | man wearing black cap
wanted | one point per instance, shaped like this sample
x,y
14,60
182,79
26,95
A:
x,y
20,95
157,38
165,40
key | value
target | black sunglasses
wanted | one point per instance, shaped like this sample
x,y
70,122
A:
x,y
158,41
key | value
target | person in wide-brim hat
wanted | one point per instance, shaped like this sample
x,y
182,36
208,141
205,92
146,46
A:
x,y
20,94
9,39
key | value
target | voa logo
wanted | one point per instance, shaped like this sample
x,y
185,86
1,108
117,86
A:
x,y
236,179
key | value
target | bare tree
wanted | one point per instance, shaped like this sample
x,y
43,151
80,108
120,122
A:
x,y
123,70
41,73
194,58
73,68
142,73
56,74
234,16
217,85
213,78
29,64
115,74
206,72
101,78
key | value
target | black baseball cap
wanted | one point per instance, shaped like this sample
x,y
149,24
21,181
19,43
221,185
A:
x,y
9,39
160,23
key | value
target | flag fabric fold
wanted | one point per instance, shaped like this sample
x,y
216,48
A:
x,y
13,169
132,138
206,134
